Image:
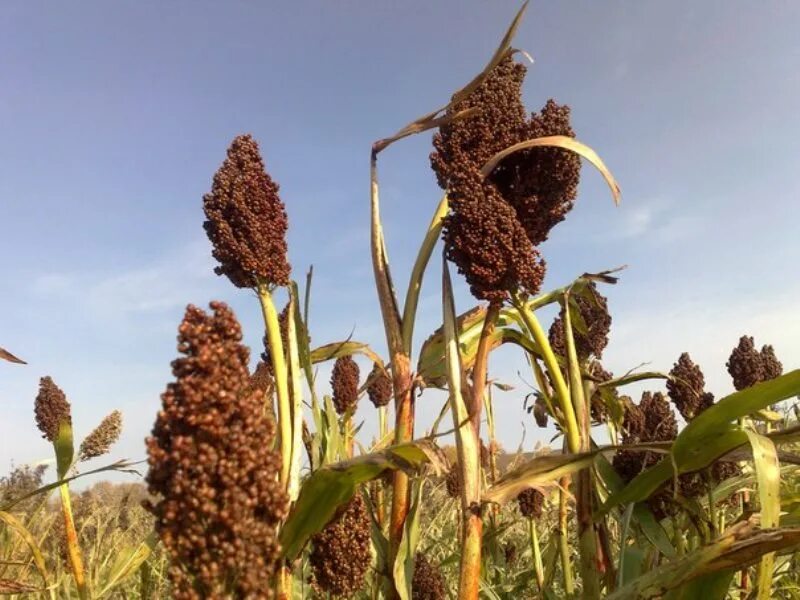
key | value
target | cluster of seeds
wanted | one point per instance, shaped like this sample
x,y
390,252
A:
x,y
531,503
51,409
219,502
686,388
100,440
344,382
597,405
246,220
452,483
593,309
341,555
495,224
747,366
379,388
428,582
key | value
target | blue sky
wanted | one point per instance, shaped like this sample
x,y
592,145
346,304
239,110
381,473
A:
x,y
116,115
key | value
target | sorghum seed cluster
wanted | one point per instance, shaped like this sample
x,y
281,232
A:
x,y
344,382
51,409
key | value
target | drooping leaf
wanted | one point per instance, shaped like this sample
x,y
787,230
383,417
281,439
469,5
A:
x,y
6,355
344,348
38,559
740,546
337,483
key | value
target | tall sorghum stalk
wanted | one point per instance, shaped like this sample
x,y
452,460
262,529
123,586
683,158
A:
x,y
54,419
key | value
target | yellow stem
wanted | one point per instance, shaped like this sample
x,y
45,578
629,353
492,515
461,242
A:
x,y
73,549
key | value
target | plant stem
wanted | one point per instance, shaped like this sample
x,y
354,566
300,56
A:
x,y
537,554
563,542
73,549
280,372
554,370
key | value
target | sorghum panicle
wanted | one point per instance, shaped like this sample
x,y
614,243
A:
x,y
379,389
770,363
452,483
531,503
341,554
344,382
428,583
51,409
593,308
685,388
100,440
745,365
246,220
211,468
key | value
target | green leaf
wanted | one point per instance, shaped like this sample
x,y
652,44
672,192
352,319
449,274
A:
x,y
769,488
714,586
539,470
337,483
128,562
65,449
345,348
740,546
708,437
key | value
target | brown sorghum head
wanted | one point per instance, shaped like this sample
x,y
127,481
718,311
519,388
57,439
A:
x,y
542,183
500,122
633,421
51,409
531,503
540,414
487,243
428,582
539,183
745,365
685,388
659,420
344,382
593,308
246,220
100,440
597,405
341,555
380,387
283,323
211,468
770,364
510,553
453,483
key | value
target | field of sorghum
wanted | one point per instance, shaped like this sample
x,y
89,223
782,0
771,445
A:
x,y
258,484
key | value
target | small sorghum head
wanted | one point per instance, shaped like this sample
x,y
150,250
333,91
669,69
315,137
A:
x,y
453,483
341,556
633,421
51,409
745,365
597,405
540,414
428,582
344,382
510,553
770,364
531,503
685,387
379,387
246,220
212,470
100,440
659,420
593,308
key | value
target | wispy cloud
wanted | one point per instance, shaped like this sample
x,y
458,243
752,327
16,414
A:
x,y
658,221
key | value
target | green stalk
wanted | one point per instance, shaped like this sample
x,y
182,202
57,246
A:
x,y
563,542
280,372
297,396
587,539
418,273
553,369
537,554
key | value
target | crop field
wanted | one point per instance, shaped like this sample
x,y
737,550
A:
x,y
260,480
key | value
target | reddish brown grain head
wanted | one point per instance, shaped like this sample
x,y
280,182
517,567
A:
x,y
593,309
745,365
246,220
340,555
100,440
51,409
685,388
344,382
427,583
219,502
379,388
531,503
